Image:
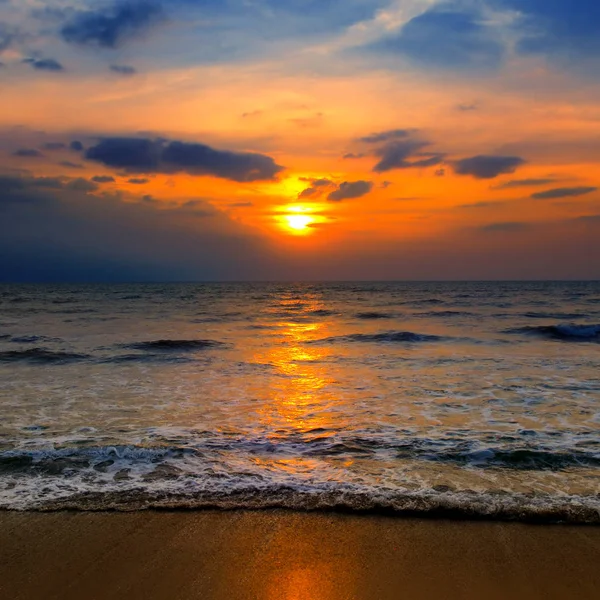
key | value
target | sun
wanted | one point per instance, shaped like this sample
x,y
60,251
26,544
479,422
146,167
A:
x,y
298,222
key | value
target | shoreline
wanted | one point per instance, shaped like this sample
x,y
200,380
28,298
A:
x,y
275,554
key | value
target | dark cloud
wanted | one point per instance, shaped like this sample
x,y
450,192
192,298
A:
x,y
467,107
138,181
142,155
352,155
81,185
405,154
123,70
76,145
46,64
506,227
594,219
103,179
70,165
519,183
447,36
350,189
7,36
54,146
386,136
487,167
563,193
111,26
52,234
317,187
28,153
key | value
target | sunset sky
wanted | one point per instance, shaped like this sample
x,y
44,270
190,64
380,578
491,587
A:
x,y
299,139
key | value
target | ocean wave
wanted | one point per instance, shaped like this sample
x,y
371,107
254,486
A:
x,y
425,504
370,316
383,337
575,333
445,314
175,345
130,477
554,315
33,339
40,355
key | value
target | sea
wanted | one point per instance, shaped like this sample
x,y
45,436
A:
x,y
472,400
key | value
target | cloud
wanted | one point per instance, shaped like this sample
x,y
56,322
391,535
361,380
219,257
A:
x,y
123,70
519,183
506,227
386,136
103,179
45,64
112,26
76,146
142,155
446,36
557,27
28,153
317,187
487,167
70,165
563,193
467,107
64,234
352,155
138,181
350,189
54,146
406,154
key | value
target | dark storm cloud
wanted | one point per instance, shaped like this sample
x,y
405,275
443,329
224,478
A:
x,y
111,26
123,70
405,154
563,193
142,155
519,183
28,153
350,189
103,179
487,167
386,136
446,36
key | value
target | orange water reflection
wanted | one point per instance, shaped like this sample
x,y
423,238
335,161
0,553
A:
x,y
301,398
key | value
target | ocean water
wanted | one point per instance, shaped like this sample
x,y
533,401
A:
x,y
475,400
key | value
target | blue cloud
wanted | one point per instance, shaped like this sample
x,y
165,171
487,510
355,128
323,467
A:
x,y
114,25
126,70
141,155
558,27
487,167
45,64
447,36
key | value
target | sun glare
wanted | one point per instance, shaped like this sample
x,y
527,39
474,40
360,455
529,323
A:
x,y
298,223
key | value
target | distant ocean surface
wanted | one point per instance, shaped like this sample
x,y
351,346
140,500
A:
x,y
475,400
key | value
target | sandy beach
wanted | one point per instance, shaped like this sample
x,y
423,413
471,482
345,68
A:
x,y
287,555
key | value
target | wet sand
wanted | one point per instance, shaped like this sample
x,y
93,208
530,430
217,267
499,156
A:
x,y
292,556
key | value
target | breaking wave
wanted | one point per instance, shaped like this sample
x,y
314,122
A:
x,y
175,345
581,333
40,355
385,337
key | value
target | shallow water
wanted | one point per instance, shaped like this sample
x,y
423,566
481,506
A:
x,y
474,399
